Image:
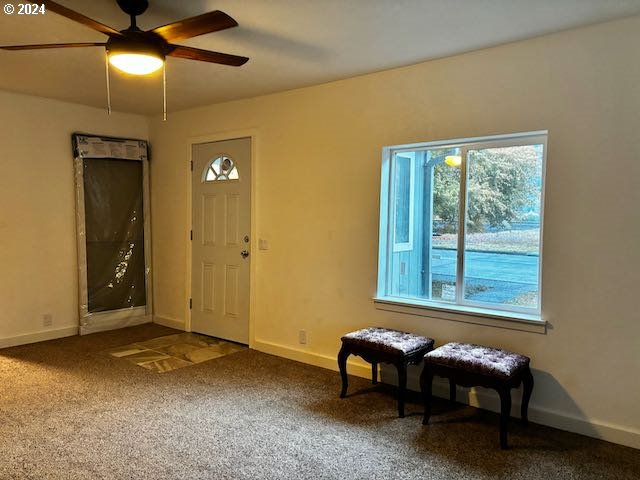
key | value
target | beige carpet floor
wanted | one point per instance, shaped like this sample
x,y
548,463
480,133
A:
x,y
68,410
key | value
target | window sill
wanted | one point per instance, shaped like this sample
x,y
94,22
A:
x,y
457,313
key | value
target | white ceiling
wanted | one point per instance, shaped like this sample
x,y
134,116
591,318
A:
x,y
291,44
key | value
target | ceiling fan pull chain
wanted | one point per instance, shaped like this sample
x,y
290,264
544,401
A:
x,y
164,91
106,58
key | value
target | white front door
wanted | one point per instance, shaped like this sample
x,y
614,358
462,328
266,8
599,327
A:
x,y
221,186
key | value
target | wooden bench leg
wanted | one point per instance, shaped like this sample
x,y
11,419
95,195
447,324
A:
x,y
426,380
505,413
527,382
374,373
342,365
452,390
402,386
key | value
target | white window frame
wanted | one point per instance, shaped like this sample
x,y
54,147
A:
x,y
465,308
404,246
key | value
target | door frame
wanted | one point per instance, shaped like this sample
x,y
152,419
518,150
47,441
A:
x,y
252,134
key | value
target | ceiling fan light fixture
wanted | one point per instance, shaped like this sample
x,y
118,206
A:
x,y
139,52
137,63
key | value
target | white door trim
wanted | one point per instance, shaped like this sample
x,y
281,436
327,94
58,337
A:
x,y
218,137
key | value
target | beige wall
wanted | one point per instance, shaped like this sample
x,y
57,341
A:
x,y
37,211
317,175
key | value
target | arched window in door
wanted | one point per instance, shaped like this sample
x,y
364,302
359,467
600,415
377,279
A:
x,y
220,169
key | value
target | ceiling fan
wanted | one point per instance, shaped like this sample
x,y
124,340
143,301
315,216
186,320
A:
x,y
140,52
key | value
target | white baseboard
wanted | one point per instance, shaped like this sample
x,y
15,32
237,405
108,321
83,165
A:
x,y
482,398
355,366
38,336
169,322
105,324
488,399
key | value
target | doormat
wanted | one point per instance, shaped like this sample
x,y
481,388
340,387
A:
x,y
164,354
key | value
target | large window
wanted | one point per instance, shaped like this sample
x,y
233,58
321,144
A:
x,y
461,224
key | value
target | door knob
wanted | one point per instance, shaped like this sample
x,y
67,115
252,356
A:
x,y
244,254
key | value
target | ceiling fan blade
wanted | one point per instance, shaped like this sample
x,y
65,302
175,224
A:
x,y
78,17
191,53
50,45
194,26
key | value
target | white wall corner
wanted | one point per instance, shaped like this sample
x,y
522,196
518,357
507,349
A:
x,y
169,322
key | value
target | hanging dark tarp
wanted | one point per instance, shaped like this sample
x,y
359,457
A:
x,y
114,234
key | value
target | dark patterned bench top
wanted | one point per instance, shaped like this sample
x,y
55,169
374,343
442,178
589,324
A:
x,y
386,340
478,359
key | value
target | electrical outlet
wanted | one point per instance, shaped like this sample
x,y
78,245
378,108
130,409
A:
x,y
47,320
302,337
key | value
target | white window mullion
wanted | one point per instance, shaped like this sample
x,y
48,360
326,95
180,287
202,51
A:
x,y
462,216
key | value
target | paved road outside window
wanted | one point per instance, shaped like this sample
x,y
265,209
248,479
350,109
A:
x,y
502,276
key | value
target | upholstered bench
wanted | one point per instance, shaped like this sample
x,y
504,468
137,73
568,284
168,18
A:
x,y
383,345
470,365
